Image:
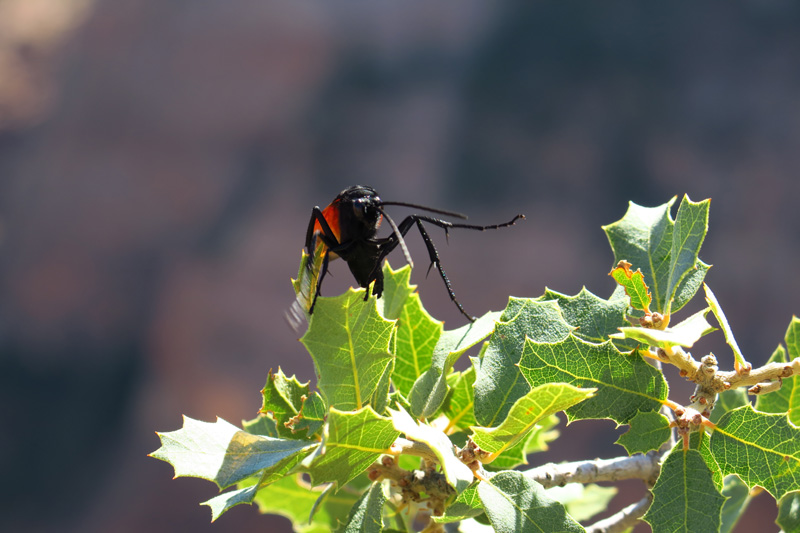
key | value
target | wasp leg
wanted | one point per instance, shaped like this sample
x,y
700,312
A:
x,y
391,242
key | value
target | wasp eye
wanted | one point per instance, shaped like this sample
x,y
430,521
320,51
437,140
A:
x,y
358,208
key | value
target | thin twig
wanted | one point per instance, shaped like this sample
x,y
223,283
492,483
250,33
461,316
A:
x,y
626,518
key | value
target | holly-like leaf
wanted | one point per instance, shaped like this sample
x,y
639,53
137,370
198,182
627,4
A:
x,y
261,425
311,416
222,453
458,475
515,503
593,318
466,505
664,249
537,440
737,498
417,331
397,288
634,285
688,234
789,513
700,441
540,402
351,346
648,431
282,398
583,501
686,333
430,389
227,500
366,514
762,449
292,498
417,335
625,383
787,398
684,497
459,403
726,329
351,442
498,382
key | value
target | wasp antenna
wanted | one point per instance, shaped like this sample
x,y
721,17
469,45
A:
x,y
429,209
400,240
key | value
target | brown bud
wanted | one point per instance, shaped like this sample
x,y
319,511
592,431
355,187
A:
x,y
658,320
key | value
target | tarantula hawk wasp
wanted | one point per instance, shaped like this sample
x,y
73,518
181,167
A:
x,y
348,228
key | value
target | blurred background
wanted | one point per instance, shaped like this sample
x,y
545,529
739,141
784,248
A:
x,y
159,162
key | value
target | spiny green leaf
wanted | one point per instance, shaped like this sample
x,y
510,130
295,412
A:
x,y
762,449
648,431
726,329
688,234
261,425
664,249
351,442
222,503
684,334
789,513
684,497
460,400
311,416
283,398
417,335
379,400
537,440
625,383
397,288
498,382
351,346
700,441
293,499
515,503
593,317
538,403
583,501
634,285
430,389
417,331
689,286
222,453
366,514
737,499
227,500
466,505
787,398
458,475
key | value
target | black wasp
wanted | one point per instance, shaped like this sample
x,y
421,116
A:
x,y
348,228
